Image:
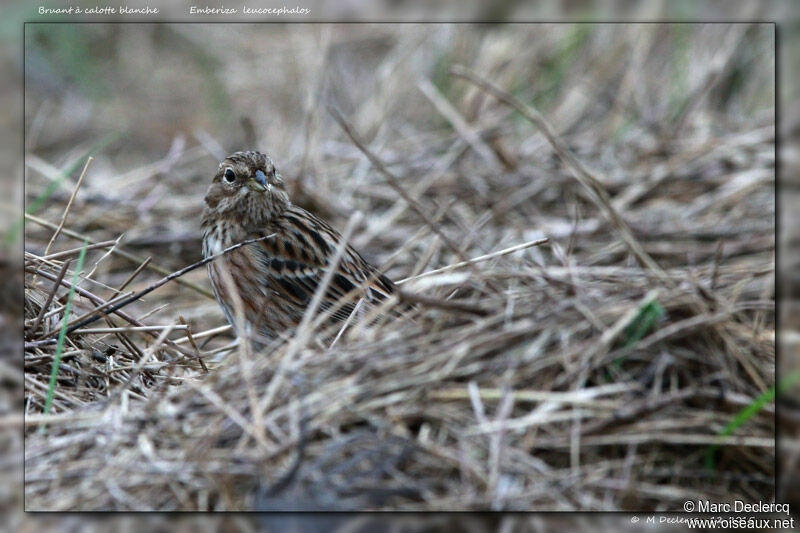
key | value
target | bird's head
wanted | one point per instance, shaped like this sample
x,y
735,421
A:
x,y
247,187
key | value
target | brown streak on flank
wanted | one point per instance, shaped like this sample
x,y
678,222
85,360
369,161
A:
x,y
295,290
288,249
321,242
294,267
308,230
277,265
302,242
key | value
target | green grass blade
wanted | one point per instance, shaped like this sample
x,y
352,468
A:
x,y
750,411
643,323
63,333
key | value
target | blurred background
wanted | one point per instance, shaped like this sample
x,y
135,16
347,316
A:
x,y
157,106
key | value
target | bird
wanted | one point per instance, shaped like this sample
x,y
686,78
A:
x,y
277,275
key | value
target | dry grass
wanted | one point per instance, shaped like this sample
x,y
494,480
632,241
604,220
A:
x,y
594,372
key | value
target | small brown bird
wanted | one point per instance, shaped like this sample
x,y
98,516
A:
x,y
277,277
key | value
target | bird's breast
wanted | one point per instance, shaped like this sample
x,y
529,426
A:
x,y
217,237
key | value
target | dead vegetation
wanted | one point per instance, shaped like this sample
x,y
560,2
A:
x,y
599,371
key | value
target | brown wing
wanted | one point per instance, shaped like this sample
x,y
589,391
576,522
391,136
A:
x,y
295,262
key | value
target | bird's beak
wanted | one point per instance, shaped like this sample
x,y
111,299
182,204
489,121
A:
x,y
258,182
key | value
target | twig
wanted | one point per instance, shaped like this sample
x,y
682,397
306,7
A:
x,y
204,334
166,279
74,251
122,253
194,344
96,299
125,329
50,296
414,298
135,273
97,309
342,329
499,253
69,206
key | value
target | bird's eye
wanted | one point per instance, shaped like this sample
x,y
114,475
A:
x,y
230,175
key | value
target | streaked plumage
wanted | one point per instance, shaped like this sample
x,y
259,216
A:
x,y
277,277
